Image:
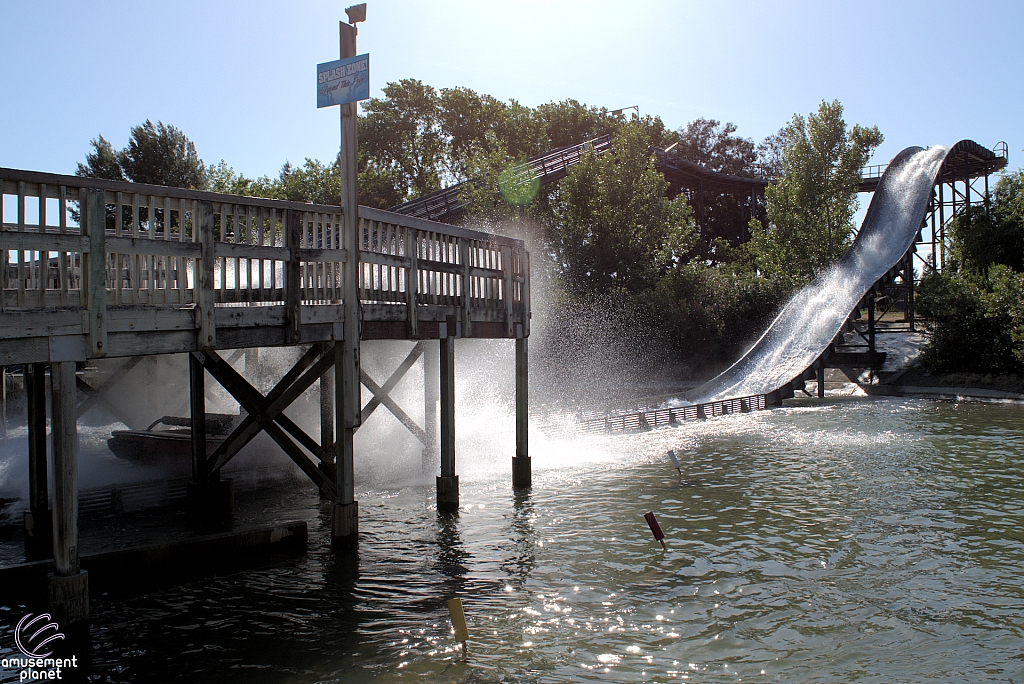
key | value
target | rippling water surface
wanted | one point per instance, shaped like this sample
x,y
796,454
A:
x,y
836,541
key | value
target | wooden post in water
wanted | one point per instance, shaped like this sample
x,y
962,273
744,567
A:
x,y
68,585
327,393
522,476
197,408
821,382
348,406
448,481
38,517
208,498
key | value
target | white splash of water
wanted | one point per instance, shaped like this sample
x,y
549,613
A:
x,y
813,318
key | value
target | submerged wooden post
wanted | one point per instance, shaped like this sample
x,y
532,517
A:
x,y
68,585
208,498
448,481
38,518
327,393
197,408
348,403
522,476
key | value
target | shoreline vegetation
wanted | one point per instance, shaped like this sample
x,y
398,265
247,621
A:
x,y
624,278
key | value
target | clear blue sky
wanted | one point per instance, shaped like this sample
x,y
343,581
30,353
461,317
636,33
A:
x,y
239,77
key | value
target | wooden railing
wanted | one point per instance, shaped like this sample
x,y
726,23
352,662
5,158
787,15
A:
x,y
140,258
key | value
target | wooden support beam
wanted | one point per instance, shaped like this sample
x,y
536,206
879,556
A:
x,y
380,395
197,411
448,481
94,395
249,427
348,400
327,393
256,405
522,476
35,389
38,518
65,468
385,390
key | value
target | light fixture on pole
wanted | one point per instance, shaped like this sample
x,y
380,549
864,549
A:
x,y
617,112
356,13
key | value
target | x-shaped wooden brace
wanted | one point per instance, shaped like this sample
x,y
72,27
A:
x,y
95,395
267,412
380,394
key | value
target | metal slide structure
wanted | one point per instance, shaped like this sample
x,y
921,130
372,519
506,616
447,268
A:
x,y
793,346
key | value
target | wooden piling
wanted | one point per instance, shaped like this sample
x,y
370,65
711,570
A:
x,y
197,408
522,476
38,518
448,481
348,397
68,586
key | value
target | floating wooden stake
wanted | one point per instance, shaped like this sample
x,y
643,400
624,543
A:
x,y
675,461
458,617
655,528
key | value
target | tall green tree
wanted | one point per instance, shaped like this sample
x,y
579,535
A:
x,y
810,208
613,227
157,154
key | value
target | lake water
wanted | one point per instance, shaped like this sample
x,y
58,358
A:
x,y
836,540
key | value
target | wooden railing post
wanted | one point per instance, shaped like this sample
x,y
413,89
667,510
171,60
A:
x,y
94,295
293,274
525,298
204,284
412,280
466,288
506,288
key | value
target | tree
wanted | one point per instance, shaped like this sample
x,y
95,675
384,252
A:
x,y
155,154
993,234
810,207
103,162
401,138
613,227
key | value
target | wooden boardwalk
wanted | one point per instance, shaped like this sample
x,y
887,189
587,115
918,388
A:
x,y
157,270
96,269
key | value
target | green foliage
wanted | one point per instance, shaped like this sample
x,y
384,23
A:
x,y
712,314
103,162
810,208
977,307
970,325
984,236
613,227
155,154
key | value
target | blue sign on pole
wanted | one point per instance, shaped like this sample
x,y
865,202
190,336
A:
x,y
343,81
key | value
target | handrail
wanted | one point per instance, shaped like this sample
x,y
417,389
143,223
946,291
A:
x,y
83,256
